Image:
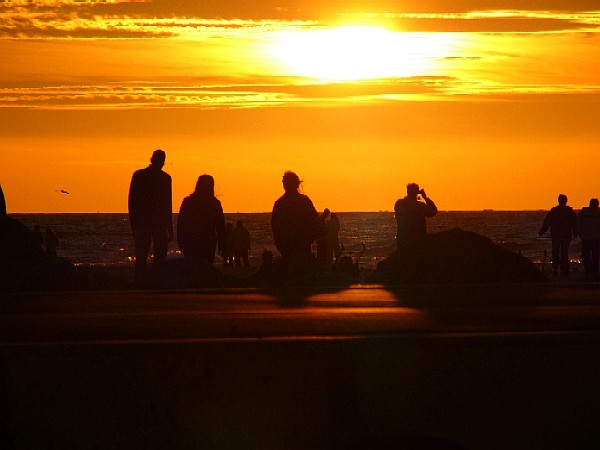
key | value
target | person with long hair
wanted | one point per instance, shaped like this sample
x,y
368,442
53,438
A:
x,y
201,223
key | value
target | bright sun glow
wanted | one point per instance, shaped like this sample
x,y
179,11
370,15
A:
x,y
359,52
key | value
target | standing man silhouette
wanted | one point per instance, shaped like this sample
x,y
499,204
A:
x,y
151,210
411,213
562,222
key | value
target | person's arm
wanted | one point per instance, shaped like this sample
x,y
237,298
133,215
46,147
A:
x,y
546,224
318,224
169,211
132,201
431,209
221,232
276,226
182,226
574,224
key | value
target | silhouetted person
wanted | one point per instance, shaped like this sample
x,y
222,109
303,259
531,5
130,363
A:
x,y
562,222
411,213
2,203
324,253
589,231
51,243
241,244
294,220
333,230
151,210
201,223
228,251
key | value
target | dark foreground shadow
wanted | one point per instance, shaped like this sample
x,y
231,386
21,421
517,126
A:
x,y
293,279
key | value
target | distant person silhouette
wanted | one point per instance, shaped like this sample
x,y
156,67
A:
x,y
151,210
562,222
51,243
201,223
241,244
228,251
294,220
411,213
333,230
589,231
324,253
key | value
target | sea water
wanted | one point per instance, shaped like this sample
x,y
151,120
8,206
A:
x,y
105,238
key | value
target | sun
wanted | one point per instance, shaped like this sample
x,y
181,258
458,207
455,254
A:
x,y
348,53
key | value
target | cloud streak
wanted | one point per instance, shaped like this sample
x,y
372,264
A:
x,y
264,94
182,19
207,55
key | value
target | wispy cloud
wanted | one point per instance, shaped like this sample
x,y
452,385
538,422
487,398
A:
x,y
92,55
234,95
119,20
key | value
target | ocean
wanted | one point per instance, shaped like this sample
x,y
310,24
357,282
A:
x,y
105,238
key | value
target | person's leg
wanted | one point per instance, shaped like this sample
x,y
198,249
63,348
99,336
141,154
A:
x,y
595,256
160,240
565,264
142,238
555,256
586,255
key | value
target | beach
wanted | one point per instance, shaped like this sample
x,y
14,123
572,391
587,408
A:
x,y
451,342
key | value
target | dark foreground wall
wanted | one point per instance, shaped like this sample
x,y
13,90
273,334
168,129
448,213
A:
x,y
519,391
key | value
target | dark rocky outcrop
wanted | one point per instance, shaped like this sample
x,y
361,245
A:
x,y
454,257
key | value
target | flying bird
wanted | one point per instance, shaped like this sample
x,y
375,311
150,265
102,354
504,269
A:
x,y
62,191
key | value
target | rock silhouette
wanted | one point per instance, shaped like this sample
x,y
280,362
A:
x,y
454,257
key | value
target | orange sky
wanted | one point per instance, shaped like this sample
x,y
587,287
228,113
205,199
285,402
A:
x,y
484,104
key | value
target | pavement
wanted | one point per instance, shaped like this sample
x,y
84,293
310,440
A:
x,y
429,367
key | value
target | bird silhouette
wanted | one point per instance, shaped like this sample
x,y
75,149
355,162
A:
x,y
62,191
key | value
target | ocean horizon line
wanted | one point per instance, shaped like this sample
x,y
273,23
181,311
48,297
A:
x,y
269,212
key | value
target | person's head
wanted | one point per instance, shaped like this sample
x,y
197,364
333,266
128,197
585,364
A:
x,y
412,190
327,212
291,182
594,203
562,199
158,158
205,186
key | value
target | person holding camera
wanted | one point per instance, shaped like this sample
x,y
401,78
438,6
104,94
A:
x,y
411,213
